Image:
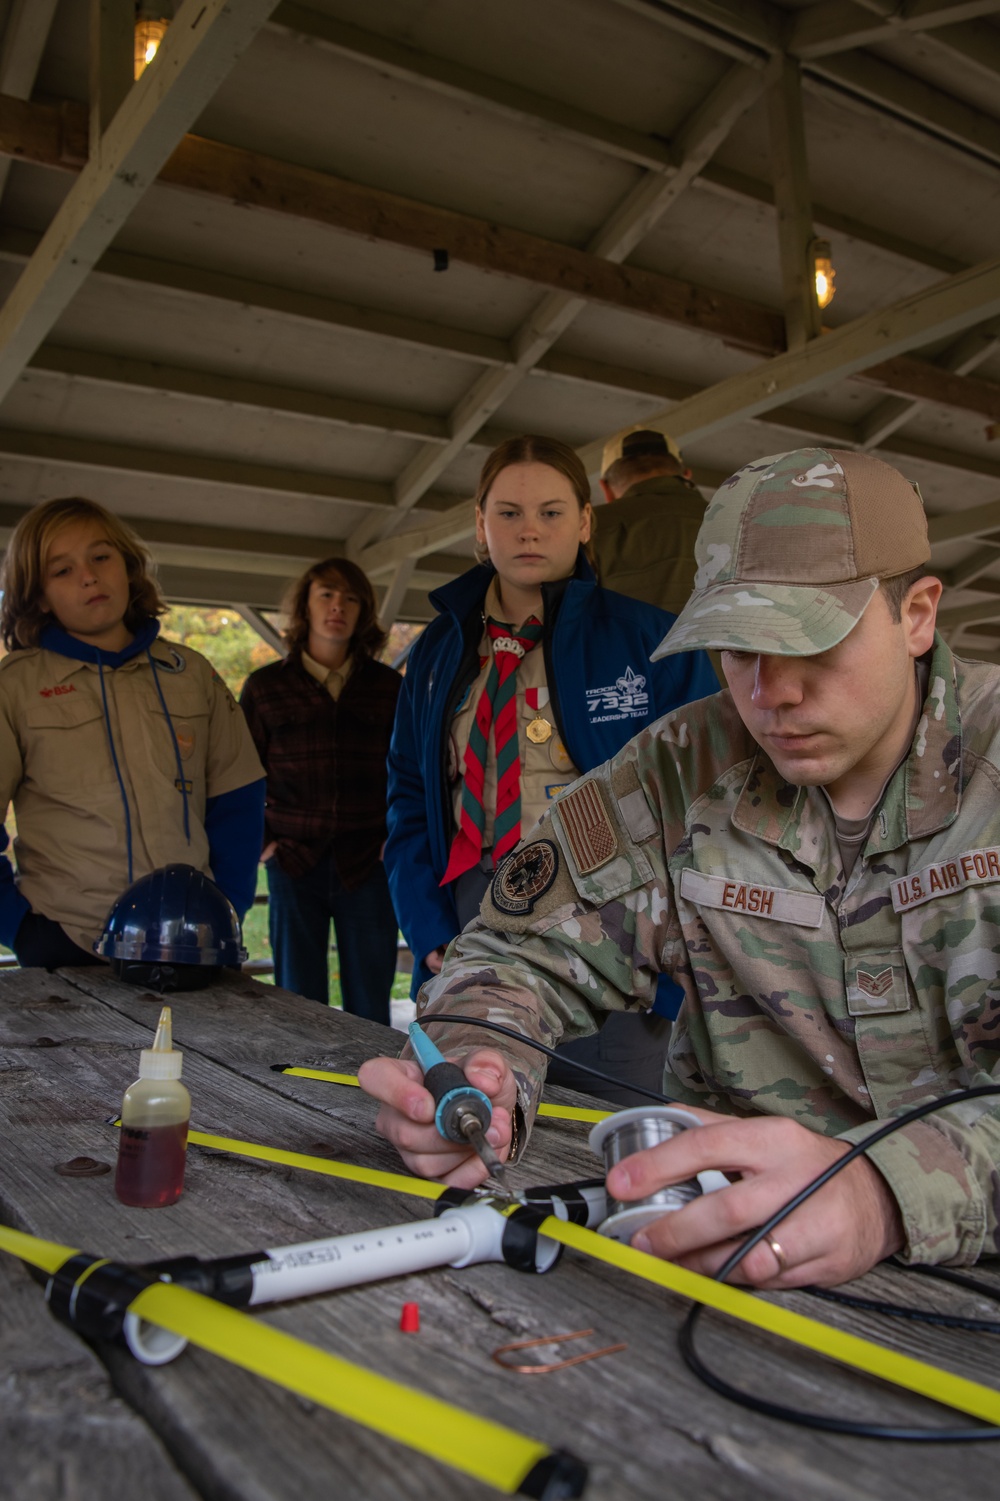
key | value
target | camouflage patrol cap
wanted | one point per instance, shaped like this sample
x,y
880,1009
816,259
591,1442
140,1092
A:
x,y
792,549
638,442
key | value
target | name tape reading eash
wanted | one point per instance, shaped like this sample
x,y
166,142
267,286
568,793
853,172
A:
x,y
801,907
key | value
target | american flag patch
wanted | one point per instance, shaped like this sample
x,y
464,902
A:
x,y
589,830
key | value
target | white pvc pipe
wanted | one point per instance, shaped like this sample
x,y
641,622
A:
x,y
458,1238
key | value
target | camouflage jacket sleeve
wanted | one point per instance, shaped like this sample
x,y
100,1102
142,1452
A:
x,y
942,1172
573,927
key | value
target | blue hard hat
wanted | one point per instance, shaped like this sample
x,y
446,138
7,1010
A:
x,y
172,929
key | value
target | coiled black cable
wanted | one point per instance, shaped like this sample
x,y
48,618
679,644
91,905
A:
x,y
686,1339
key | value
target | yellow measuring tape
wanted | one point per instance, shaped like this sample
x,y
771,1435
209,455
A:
x,y
552,1112
865,1355
489,1451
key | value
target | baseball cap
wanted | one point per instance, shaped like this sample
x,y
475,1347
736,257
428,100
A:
x,y
792,549
638,442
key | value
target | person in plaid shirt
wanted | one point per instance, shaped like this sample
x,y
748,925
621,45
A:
x,y
321,720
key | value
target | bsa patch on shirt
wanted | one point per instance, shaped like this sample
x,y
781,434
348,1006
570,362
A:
x,y
974,868
524,876
173,662
588,827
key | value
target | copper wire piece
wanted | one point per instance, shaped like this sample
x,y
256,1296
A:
x,y
779,1254
536,1369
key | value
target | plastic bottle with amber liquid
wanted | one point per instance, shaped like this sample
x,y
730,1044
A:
x,y
155,1114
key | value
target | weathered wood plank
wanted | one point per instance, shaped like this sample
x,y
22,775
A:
x,y
287,1029
64,1435
635,1416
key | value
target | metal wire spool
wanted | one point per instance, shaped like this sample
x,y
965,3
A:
x,y
634,1131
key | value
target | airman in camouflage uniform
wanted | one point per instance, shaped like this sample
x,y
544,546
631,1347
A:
x,y
839,958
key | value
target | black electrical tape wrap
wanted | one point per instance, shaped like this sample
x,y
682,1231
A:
x,y
228,1279
560,1476
567,1193
520,1239
95,1304
454,1198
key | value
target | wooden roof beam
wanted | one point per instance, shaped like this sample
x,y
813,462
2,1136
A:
x,y
962,526
28,25
55,136
199,469
944,458
913,101
39,133
793,202
971,350
609,137
937,312
652,196
285,302
205,39
958,615
96,367
454,80
752,28
839,25
975,44
223,548
967,574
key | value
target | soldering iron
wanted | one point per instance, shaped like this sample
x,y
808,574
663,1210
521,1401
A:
x,y
462,1112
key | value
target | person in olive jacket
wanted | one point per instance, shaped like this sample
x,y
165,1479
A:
x,y
321,720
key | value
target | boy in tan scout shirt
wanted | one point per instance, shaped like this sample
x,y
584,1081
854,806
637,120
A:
x,y
121,753
815,856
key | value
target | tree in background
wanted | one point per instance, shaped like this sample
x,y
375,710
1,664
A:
x,y
233,647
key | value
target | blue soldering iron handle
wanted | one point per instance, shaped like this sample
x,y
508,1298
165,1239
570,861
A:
x,y
427,1054
449,1087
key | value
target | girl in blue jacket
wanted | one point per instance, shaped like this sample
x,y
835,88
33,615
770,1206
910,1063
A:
x,y
531,675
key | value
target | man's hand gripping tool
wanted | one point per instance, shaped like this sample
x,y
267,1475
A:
x,y
463,1113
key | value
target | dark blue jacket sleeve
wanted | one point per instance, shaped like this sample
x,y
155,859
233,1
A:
x,y
13,907
425,910
234,823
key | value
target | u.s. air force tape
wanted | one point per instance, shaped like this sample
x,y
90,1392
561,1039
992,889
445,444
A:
x,y
488,1451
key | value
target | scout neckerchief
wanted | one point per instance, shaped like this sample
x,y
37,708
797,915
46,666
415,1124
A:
x,y
497,707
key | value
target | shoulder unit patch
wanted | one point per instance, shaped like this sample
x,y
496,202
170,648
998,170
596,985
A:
x,y
524,876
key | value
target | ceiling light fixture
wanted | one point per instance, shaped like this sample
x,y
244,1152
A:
x,y
152,17
823,273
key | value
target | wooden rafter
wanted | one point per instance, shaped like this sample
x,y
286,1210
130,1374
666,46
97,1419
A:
x,y
644,206
941,311
55,136
793,202
745,29
203,43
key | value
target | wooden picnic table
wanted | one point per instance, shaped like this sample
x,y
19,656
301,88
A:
x,y
83,1422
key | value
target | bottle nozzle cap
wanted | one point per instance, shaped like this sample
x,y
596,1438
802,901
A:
x,y
162,1060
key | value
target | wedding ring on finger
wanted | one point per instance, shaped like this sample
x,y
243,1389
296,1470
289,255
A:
x,y
778,1253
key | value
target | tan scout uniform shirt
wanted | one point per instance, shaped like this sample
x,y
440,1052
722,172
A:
x,y
834,1001
333,679
546,769
56,766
